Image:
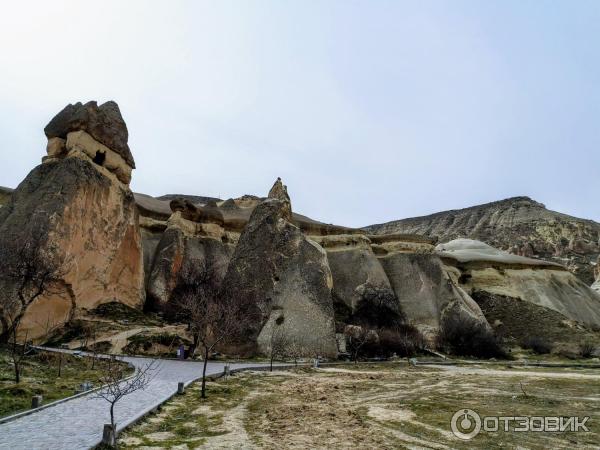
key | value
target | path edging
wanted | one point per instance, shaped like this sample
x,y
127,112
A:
x,y
157,405
60,400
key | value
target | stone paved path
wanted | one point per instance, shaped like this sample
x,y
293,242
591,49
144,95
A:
x,y
77,424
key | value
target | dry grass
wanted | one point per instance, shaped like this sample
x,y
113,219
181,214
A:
x,y
369,406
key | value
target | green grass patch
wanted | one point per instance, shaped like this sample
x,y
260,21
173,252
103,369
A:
x,y
39,376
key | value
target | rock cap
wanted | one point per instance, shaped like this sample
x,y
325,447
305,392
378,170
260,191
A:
x,y
104,123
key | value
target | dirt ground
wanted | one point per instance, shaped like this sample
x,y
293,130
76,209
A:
x,y
372,406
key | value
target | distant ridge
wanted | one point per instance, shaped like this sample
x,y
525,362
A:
x,y
519,225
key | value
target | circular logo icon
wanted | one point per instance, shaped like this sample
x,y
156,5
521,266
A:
x,y
465,424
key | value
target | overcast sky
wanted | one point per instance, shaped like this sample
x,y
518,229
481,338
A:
x,y
369,110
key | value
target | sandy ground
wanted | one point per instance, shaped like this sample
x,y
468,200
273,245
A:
x,y
512,373
381,407
119,339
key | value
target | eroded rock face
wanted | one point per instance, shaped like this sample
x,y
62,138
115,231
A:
x,y
279,192
596,285
426,292
5,194
104,123
184,248
90,220
282,277
209,213
476,266
361,290
518,225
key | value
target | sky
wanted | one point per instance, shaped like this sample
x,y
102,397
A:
x,y
369,111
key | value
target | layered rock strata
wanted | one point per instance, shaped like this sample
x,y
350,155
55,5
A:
x,y
476,266
518,225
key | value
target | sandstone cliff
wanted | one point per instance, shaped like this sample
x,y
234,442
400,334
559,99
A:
x,y
87,218
518,225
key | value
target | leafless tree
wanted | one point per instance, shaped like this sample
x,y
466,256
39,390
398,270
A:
x,y
279,341
357,337
93,348
29,268
297,348
116,385
17,352
88,341
213,320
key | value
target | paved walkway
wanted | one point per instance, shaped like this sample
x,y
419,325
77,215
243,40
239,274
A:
x,y
77,424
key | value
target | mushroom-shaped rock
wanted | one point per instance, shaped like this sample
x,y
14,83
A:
x,y
201,214
104,123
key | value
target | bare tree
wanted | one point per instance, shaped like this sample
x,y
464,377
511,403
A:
x,y
88,341
213,320
30,266
279,341
93,347
297,348
17,352
116,386
357,337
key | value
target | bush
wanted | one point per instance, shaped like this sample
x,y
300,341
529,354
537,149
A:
x,y
537,345
567,353
467,337
143,343
587,349
100,347
404,340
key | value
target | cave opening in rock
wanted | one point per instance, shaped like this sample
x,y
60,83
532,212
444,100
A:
x,y
99,158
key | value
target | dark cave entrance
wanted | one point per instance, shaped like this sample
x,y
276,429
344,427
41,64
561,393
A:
x,y
99,158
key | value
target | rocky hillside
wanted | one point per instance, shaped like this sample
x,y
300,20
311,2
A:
x,y
74,237
4,195
518,225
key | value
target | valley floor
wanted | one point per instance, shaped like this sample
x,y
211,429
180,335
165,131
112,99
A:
x,y
372,406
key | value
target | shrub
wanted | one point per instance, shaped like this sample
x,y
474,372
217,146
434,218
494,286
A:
x,y
403,340
587,349
537,345
566,352
467,337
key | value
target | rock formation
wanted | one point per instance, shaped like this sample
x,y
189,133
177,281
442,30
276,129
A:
x,y
193,243
478,267
86,213
426,292
518,225
361,290
596,285
103,123
376,279
5,194
283,279
279,192
297,279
